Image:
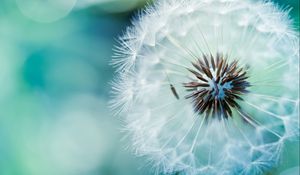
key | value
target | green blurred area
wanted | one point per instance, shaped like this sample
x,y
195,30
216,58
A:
x,y
55,75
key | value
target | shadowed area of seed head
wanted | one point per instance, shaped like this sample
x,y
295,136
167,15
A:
x,y
217,86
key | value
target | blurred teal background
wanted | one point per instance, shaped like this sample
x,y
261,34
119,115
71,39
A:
x,y
54,88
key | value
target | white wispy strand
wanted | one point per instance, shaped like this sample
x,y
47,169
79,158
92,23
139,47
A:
x,y
157,50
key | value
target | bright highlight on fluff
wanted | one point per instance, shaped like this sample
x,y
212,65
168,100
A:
x,y
209,86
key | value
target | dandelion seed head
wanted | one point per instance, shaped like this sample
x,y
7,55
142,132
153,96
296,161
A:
x,y
171,80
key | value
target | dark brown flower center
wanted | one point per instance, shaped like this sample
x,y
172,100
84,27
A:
x,y
218,84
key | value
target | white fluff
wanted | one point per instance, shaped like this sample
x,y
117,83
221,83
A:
x,y
155,53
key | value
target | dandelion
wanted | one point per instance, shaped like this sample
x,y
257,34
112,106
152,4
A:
x,y
210,86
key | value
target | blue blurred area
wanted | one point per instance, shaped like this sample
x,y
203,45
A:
x,y
55,79
293,6
54,76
